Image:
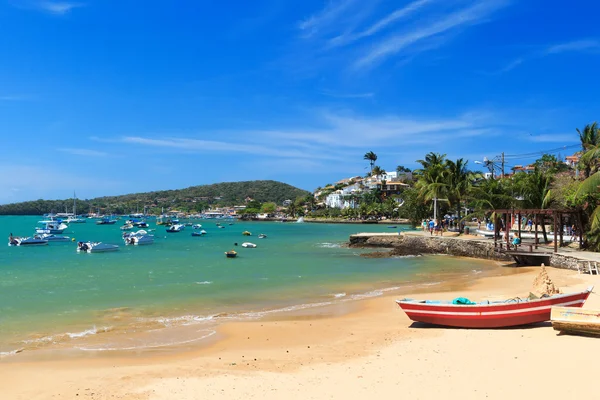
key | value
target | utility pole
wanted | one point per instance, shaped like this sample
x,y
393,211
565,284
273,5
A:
x,y
503,164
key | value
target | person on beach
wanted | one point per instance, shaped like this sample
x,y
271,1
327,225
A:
x,y
431,226
424,225
529,224
516,240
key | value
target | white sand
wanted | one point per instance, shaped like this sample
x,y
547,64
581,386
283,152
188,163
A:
x,y
369,353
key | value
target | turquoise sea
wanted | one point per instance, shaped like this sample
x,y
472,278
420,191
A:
x,y
176,290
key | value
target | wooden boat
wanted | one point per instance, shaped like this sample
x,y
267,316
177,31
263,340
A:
x,y
486,314
231,254
577,321
246,233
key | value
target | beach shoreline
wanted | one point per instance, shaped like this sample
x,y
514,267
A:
x,y
288,352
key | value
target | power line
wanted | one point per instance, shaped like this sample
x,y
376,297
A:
x,y
536,153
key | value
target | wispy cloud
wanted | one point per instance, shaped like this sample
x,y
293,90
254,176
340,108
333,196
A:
x,y
336,137
349,37
84,152
476,13
553,138
575,46
340,95
333,11
48,6
14,98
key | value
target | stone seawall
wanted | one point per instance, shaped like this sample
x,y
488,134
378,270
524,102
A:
x,y
411,244
414,245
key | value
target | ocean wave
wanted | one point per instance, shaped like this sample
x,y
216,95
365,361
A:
x,y
11,352
339,295
149,346
329,245
67,335
204,283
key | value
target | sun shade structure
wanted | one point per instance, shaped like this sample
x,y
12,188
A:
x,y
540,217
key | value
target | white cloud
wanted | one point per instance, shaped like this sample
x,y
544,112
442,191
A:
x,y
83,152
549,138
576,45
333,11
348,37
474,14
58,7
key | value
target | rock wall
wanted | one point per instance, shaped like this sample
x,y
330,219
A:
x,y
415,245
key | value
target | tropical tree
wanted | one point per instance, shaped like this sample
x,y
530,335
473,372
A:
x,y
460,181
431,179
371,157
402,168
377,171
590,139
535,192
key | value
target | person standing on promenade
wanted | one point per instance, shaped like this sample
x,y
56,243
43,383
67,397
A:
x,y
431,226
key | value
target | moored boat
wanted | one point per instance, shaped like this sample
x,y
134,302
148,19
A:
x,y
248,245
175,228
95,247
106,221
231,254
246,233
576,321
26,241
262,236
53,238
138,238
52,227
462,313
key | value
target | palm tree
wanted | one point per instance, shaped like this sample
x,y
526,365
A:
x,y
535,191
590,139
460,180
432,183
371,157
377,171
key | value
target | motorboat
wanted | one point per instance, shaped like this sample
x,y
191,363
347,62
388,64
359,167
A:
x,y
26,241
106,221
196,226
198,233
52,227
75,220
246,233
50,237
175,228
262,236
140,224
231,254
248,245
95,247
221,226
127,227
463,313
138,238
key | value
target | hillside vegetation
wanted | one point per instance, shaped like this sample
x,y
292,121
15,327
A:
x,y
192,199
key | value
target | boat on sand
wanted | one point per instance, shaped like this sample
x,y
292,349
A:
x,y
576,321
462,313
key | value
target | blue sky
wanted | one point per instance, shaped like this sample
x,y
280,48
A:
x,y
113,97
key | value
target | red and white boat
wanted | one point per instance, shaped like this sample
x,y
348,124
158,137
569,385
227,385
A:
x,y
486,314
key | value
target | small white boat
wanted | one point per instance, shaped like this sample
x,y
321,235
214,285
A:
x,y
52,227
26,241
196,226
175,228
138,238
127,227
95,247
248,245
75,220
262,236
220,226
53,238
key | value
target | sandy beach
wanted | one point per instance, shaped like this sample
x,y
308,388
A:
x,y
366,350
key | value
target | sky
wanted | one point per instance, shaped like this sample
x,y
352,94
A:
x,y
115,97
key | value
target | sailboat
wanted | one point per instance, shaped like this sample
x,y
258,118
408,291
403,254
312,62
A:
x,y
74,219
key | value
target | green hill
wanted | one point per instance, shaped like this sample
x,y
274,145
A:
x,y
195,198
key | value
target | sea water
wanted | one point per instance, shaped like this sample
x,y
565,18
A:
x,y
52,297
